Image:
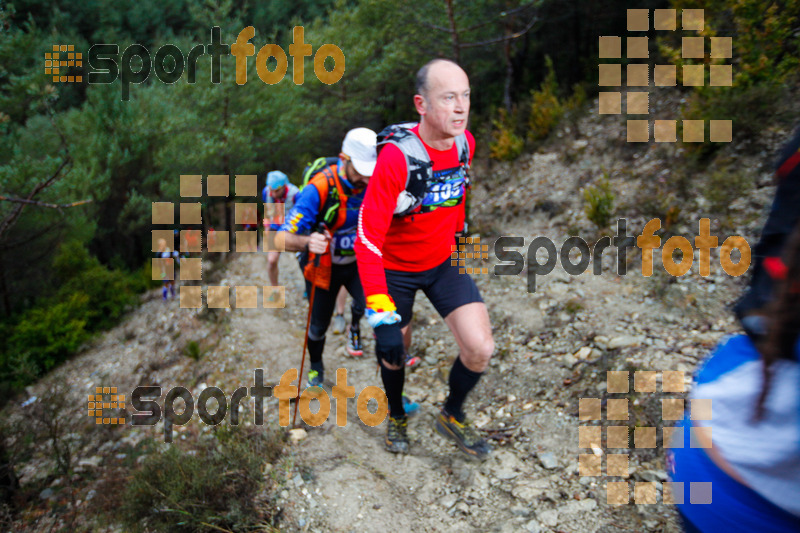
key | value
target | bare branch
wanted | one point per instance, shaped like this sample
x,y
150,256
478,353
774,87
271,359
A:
x,y
11,218
481,25
518,9
501,15
17,211
43,204
492,20
433,26
508,37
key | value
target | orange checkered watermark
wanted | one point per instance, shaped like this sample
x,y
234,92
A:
x,y
106,398
461,252
244,239
618,437
57,62
693,73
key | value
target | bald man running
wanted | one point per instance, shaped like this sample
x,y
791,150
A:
x,y
404,245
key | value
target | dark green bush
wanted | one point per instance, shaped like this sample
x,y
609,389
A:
x,y
212,490
45,336
109,291
764,34
89,298
750,108
765,44
724,186
192,349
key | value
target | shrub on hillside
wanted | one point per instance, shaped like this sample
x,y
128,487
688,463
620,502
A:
x,y
45,336
545,108
599,203
763,58
506,145
89,298
751,108
109,291
212,489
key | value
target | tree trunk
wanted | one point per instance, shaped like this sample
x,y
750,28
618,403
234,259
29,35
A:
x,y
4,289
226,164
509,68
451,17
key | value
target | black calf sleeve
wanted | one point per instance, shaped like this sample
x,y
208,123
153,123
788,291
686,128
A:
x,y
315,348
462,380
393,383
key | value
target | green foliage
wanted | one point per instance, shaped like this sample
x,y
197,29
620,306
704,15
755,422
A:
x,y
573,306
752,108
213,489
599,203
578,98
766,44
535,119
108,291
545,108
142,279
45,336
89,298
665,196
724,186
505,144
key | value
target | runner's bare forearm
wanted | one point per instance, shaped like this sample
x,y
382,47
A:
x,y
293,242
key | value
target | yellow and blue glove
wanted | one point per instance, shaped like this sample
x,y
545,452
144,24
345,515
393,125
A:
x,y
385,321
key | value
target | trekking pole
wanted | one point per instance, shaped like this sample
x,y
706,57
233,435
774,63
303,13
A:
x,y
305,339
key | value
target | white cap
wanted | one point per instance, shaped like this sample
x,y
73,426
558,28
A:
x,y
359,145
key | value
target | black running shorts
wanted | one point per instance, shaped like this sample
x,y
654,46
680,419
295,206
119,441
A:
x,y
443,285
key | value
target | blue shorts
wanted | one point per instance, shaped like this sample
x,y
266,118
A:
x,y
734,507
446,289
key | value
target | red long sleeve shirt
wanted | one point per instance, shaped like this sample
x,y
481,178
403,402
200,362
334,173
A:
x,y
412,243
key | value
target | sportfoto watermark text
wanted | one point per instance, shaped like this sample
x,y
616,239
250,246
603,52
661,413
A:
x,y
148,411
169,62
647,242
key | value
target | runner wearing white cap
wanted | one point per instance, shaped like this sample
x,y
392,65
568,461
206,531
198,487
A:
x,y
323,220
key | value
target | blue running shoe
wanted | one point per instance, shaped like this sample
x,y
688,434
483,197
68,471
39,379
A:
x,y
411,408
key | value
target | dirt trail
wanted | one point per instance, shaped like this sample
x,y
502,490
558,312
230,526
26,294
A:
x,y
354,483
